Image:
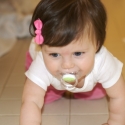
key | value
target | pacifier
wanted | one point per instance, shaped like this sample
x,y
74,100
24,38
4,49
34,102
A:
x,y
67,79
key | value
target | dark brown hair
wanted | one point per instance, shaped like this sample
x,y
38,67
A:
x,y
65,20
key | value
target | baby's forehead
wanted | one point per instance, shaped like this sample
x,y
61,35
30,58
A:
x,y
86,36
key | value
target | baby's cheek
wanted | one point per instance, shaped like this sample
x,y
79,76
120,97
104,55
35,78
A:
x,y
87,67
52,69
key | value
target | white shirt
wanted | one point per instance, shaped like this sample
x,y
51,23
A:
x,y
106,71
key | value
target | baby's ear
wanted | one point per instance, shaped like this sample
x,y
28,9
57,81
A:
x,y
97,46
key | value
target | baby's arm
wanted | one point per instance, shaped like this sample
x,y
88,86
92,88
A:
x,y
32,103
116,95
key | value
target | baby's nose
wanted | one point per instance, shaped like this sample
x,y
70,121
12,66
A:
x,y
67,64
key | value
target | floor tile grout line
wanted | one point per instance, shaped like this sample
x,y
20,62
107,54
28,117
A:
x,y
10,99
89,114
69,110
71,96
9,115
55,114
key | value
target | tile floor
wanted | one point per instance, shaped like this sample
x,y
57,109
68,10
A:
x,y
64,111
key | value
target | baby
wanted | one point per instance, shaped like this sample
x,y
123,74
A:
x,y
67,53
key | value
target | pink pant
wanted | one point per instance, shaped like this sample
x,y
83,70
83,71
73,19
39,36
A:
x,y
52,94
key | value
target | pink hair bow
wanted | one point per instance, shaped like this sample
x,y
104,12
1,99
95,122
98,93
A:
x,y
38,38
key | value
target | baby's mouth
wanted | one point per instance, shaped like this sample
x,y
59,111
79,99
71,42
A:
x,y
69,81
74,73
69,78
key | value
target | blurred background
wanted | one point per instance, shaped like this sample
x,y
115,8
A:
x,y
115,39
15,16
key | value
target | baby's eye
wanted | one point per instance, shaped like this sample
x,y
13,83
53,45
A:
x,y
78,53
54,54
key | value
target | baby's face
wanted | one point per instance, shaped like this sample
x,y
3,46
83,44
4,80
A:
x,y
77,57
